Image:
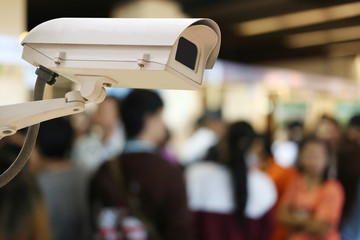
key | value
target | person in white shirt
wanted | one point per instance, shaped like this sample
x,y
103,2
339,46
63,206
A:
x,y
105,140
210,129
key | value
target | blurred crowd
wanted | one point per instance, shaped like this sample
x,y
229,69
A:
x,y
115,175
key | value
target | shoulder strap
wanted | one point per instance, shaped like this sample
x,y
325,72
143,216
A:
x,y
117,173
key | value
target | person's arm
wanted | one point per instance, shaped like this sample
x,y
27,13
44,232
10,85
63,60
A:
x,y
328,213
307,224
289,219
316,227
284,214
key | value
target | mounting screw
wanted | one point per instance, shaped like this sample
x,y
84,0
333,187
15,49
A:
x,y
58,58
145,58
8,131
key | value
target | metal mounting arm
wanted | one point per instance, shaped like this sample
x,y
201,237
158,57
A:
x,y
17,116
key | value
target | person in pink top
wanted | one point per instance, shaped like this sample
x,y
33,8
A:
x,y
312,204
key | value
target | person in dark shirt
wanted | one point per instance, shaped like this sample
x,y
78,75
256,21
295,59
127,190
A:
x,y
348,163
155,185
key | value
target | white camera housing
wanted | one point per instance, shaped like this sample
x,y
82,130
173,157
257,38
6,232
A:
x,y
132,53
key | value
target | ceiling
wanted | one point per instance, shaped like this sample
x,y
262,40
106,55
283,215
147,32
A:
x,y
319,17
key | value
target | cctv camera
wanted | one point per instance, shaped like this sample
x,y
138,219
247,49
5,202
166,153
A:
x,y
130,53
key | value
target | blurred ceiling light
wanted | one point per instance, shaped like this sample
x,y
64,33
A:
x,y
298,19
323,37
344,49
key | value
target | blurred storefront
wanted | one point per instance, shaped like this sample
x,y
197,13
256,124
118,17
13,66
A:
x,y
290,90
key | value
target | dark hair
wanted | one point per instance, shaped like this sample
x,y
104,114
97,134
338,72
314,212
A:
x,y
240,137
17,198
55,138
135,107
314,139
266,141
209,115
354,121
348,163
294,124
330,119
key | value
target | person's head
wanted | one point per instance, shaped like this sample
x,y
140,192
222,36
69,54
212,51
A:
x,y
295,129
213,121
55,138
354,129
107,114
238,139
329,130
141,112
240,136
259,152
314,157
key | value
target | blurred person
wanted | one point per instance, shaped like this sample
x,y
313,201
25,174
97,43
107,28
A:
x,y
62,184
105,140
286,146
81,123
296,132
140,182
23,215
329,130
18,139
312,204
281,178
210,130
281,166
260,221
349,175
353,130
227,192
260,153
